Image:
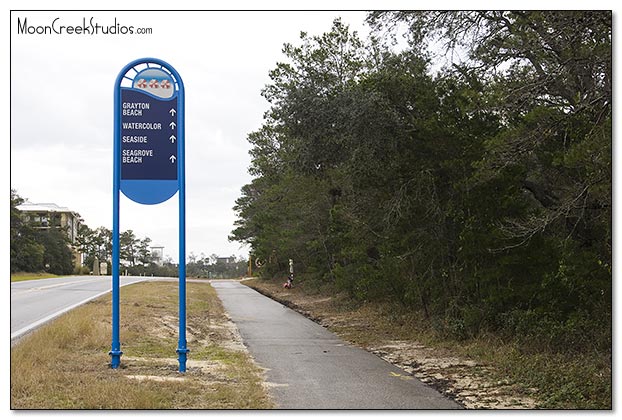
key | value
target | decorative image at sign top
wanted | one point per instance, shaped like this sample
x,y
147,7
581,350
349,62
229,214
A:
x,y
156,82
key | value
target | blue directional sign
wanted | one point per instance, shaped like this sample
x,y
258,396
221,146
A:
x,y
149,162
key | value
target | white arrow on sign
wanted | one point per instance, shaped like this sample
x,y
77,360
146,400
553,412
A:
x,y
172,138
172,112
172,158
172,125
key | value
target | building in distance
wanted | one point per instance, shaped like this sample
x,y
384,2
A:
x,y
157,254
45,216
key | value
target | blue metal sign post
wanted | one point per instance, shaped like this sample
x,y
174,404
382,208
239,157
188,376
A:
x,y
149,165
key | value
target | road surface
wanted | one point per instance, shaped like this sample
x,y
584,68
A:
x,y
34,302
309,367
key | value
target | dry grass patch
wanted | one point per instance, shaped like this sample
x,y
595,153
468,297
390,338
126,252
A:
x,y
21,276
65,364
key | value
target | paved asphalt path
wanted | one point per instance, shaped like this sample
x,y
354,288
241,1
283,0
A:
x,y
34,302
309,367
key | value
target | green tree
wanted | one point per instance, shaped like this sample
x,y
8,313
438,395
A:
x,y
143,251
548,76
127,244
26,252
57,256
298,150
94,244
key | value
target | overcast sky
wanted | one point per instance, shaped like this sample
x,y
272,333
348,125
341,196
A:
x,y
62,111
61,116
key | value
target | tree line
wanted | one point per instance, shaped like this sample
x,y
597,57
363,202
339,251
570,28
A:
x,y
213,267
476,191
49,250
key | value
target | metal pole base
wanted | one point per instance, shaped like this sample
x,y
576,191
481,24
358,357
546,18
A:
x,y
182,357
115,361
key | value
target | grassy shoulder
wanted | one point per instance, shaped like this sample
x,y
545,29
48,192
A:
x,y
21,276
485,372
65,364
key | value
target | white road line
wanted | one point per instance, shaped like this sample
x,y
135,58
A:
x,y
51,286
48,318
